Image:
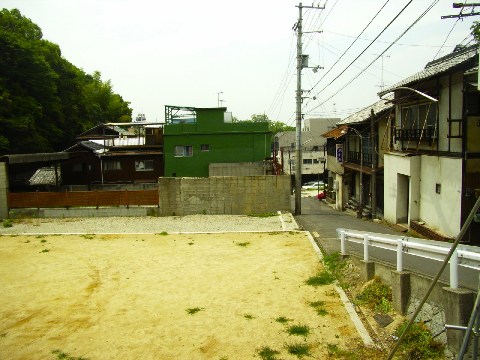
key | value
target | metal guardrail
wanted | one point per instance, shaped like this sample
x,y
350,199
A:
x,y
464,255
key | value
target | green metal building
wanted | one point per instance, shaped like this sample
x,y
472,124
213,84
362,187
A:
x,y
197,137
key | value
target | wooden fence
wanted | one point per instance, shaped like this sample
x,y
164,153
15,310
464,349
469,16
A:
x,y
82,199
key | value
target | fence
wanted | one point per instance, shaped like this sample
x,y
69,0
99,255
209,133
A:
x,y
82,199
467,256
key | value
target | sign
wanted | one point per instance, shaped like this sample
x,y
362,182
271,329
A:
x,y
339,152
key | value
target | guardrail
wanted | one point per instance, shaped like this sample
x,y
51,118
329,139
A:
x,y
464,255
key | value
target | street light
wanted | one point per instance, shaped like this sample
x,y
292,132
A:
x,y
218,98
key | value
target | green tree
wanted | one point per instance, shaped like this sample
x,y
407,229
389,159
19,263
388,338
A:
x,y
45,101
475,30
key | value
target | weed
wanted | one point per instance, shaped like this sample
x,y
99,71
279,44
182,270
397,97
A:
x,y
45,251
7,223
376,296
324,277
193,311
204,211
299,330
43,241
360,353
26,241
319,307
261,215
163,233
243,244
334,262
282,320
267,353
190,243
65,356
418,343
151,212
298,349
249,316
88,236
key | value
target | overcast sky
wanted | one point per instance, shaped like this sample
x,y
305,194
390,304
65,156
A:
x,y
159,53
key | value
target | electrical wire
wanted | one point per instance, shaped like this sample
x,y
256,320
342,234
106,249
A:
x,y
383,52
353,42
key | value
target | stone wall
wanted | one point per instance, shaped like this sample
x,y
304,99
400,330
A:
x,y
236,195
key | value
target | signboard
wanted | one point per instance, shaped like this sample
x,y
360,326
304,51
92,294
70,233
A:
x,y
339,152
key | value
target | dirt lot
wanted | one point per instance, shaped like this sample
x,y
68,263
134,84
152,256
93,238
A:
x,y
202,296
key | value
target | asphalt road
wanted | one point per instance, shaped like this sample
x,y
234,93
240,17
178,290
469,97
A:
x,y
322,221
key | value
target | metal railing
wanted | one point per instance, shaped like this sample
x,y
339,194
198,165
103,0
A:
x,y
464,255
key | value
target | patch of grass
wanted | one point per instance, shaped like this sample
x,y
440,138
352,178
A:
x,y
298,349
376,296
243,244
163,233
334,262
299,330
319,307
193,311
190,243
248,316
418,343
267,353
26,241
324,277
282,319
358,353
7,223
43,241
262,215
59,354
45,251
152,212
88,236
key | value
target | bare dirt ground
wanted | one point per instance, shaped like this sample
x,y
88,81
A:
x,y
153,296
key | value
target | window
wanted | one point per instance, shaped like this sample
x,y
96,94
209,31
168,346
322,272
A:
x,y
307,161
183,151
315,161
205,147
144,165
418,122
78,167
113,165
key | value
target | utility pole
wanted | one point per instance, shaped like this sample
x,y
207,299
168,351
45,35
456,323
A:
x,y
301,63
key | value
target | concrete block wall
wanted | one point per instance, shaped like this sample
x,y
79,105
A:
x,y
239,195
3,191
238,169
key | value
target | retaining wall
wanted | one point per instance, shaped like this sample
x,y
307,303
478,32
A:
x,y
3,191
444,305
235,195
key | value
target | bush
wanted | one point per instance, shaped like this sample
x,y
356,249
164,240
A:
x,y
418,343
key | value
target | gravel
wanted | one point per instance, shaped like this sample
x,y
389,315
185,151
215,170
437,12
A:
x,y
149,225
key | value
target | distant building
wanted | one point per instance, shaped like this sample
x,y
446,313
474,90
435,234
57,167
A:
x,y
195,138
313,145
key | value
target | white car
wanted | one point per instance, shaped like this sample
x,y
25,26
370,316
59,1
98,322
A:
x,y
313,185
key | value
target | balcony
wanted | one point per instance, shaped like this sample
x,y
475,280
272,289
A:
x,y
427,134
355,157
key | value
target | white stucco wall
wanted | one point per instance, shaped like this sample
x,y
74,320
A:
x,y
398,196
456,104
441,212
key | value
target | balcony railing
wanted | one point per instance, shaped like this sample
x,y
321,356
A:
x,y
427,134
355,157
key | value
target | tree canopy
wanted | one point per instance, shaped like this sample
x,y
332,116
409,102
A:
x,y
45,101
274,126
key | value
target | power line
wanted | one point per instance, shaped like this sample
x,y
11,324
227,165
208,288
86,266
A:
x,y
371,43
383,52
353,42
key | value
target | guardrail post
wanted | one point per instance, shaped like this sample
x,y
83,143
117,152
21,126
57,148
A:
x,y
343,250
454,270
399,255
365,247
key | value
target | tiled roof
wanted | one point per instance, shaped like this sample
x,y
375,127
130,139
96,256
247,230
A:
x,y
44,176
437,67
364,114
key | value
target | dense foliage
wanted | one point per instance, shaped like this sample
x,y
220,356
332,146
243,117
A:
x,y
45,101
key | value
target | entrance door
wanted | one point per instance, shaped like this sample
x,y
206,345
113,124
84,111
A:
x,y
403,196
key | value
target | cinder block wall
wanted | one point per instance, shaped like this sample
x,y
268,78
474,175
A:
x,y
217,195
3,191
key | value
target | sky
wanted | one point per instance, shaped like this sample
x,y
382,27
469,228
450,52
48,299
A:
x,y
242,54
